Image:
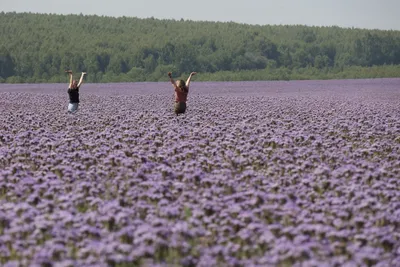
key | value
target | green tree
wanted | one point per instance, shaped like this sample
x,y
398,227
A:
x,y
39,47
6,63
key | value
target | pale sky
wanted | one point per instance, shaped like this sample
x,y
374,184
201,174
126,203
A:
x,y
369,14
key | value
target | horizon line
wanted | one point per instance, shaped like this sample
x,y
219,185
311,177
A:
x,y
207,21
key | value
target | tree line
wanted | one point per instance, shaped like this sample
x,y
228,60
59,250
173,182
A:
x,y
39,47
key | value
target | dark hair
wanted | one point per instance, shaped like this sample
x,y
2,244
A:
x,y
74,84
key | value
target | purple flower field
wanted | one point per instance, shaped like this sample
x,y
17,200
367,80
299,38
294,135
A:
x,y
299,173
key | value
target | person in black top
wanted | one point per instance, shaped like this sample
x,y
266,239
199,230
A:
x,y
73,91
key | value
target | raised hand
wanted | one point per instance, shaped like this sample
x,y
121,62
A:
x,y
69,71
83,73
169,74
193,73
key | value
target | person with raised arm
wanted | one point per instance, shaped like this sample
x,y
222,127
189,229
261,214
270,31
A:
x,y
73,91
181,92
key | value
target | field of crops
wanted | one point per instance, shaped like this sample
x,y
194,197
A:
x,y
300,173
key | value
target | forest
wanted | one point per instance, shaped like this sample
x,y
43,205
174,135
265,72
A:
x,y
37,48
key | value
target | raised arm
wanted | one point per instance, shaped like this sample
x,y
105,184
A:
x,y
70,77
190,77
81,79
172,80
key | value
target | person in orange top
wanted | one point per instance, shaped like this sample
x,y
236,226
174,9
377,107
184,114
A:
x,y
181,92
